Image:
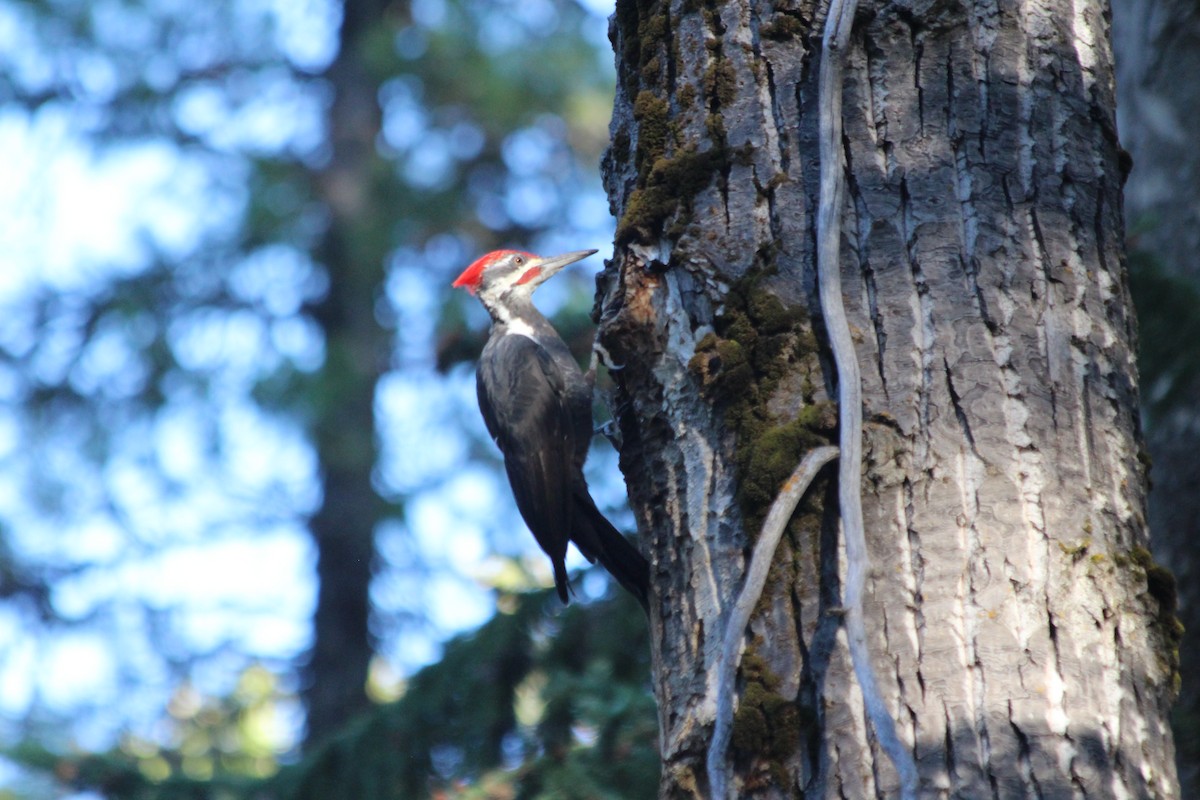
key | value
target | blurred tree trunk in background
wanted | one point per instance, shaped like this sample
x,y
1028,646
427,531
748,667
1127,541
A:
x,y
1023,638
352,250
181,376
1157,45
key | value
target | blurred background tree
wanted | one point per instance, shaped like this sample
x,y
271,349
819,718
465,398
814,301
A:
x,y
245,484
244,488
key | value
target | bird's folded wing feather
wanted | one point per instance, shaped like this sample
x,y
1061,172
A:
x,y
526,413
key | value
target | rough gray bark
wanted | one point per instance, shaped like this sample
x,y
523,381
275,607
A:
x,y
1157,44
1022,636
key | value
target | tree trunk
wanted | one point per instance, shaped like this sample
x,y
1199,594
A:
x,y
1156,42
1021,636
352,250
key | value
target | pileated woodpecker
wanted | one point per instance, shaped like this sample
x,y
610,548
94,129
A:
x,y
537,405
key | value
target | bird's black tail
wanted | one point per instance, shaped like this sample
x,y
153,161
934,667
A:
x,y
599,541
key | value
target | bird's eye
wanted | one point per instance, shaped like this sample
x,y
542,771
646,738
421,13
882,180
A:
x,y
519,260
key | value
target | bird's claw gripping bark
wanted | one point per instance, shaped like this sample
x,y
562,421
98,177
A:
x,y
602,355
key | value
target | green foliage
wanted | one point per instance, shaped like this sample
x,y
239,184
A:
x,y
1168,334
540,702
302,234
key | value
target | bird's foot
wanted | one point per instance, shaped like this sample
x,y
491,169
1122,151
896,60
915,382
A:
x,y
599,352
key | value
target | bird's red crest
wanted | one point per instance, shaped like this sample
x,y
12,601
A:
x,y
472,276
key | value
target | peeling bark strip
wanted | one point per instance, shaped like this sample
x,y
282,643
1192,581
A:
x,y
849,382
739,616
1017,629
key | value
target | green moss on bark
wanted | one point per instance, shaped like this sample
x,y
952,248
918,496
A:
x,y
783,28
650,72
1161,586
643,28
652,115
720,82
767,726
758,345
686,96
669,173
670,184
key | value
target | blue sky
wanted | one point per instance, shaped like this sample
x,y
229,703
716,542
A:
x,y
215,547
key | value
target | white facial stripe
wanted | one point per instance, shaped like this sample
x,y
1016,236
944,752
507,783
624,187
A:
x,y
499,284
519,327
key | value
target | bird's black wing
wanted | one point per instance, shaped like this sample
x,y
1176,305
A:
x,y
526,411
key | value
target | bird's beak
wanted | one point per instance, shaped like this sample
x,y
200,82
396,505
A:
x,y
543,269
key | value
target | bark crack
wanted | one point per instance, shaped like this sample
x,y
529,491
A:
x,y
964,185
925,332
669,36
863,218
918,53
960,414
777,136
781,141
949,758
917,570
1024,760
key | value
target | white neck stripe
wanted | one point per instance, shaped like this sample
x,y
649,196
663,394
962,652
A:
x,y
518,326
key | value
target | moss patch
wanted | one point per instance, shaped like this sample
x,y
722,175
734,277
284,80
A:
x,y
650,71
652,115
642,28
775,453
1076,550
767,725
669,172
1160,585
669,184
720,82
757,345
783,28
686,96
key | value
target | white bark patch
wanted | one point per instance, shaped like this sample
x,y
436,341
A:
x,y
1057,720
908,575
698,457
1084,39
